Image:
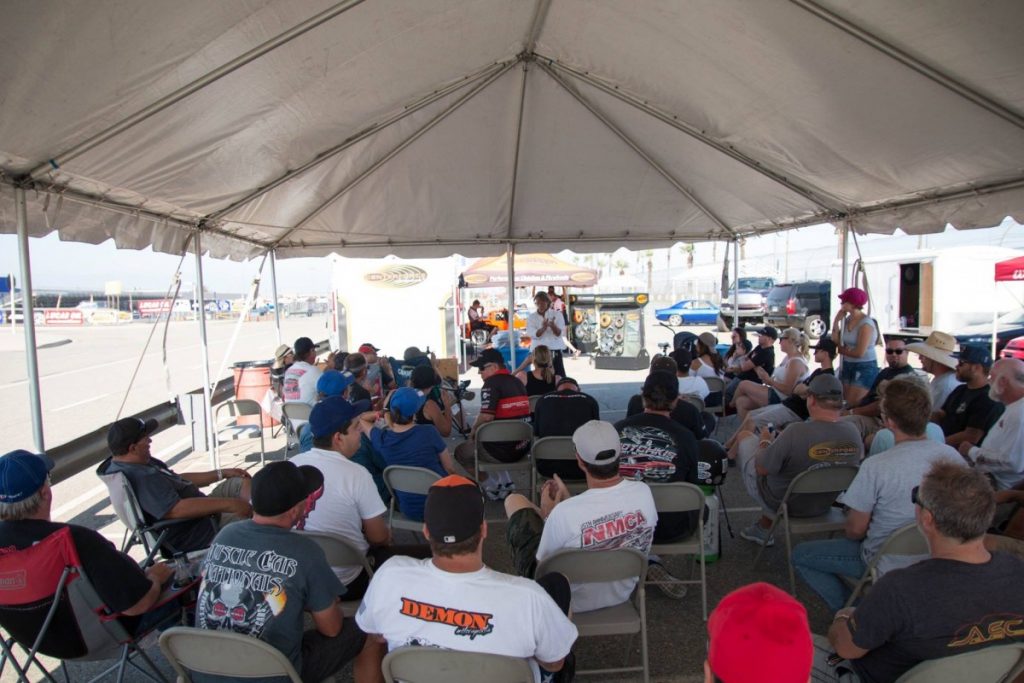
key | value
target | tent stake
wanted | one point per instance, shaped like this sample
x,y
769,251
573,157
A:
x,y
28,319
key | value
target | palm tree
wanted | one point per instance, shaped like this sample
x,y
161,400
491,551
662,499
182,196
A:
x,y
621,264
688,249
650,268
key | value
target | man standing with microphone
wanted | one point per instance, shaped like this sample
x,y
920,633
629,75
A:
x,y
545,328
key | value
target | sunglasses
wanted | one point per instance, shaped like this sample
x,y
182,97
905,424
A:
x,y
915,499
895,352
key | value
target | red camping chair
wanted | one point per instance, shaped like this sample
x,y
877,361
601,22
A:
x,y
49,607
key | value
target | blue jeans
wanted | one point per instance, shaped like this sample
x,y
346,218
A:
x,y
821,563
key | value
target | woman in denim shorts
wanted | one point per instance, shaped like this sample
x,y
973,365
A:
x,y
855,335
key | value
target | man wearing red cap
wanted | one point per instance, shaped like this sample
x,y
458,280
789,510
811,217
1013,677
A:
x,y
759,633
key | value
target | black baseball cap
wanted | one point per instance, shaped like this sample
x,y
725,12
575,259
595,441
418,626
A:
x,y
826,344
489,356
454,510
281,485
128,430
768,331
974,353
302,346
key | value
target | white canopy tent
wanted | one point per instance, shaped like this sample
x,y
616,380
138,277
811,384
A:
x,y
373,127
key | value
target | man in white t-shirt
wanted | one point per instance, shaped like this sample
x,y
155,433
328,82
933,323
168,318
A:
x,y
545,326
454,601
612,513
1001,453
301,377
349,505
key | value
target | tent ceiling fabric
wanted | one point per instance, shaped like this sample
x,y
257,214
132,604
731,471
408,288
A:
x,y
430,128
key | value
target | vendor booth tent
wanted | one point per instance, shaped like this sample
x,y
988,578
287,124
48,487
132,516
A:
x,y
428,128
1011,270
531,270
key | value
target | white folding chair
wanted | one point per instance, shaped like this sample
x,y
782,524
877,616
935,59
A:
x,y
906,542
695,401
414,664
533,402
555,449
680,497
341,553
716,384
822,482
997,663
407,480
223,653
295,413
236,408
503,431
627,618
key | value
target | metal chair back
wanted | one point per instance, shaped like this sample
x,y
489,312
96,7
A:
x,y
998,663
414,664
223,653
406,479
682,497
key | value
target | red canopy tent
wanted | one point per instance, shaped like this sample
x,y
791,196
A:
x,y
531,270
1011,270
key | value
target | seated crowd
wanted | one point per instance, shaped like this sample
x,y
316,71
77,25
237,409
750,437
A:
x,y
946,454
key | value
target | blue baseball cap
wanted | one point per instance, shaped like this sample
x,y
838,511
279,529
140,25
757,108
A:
x,y
22,474
331,414
334,382
406,401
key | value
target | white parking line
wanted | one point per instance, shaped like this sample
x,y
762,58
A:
x,y
79,403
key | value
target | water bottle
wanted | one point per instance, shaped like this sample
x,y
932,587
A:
x,y
182,571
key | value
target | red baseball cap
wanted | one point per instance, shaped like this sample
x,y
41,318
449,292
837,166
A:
x,y
757,629
368,348
854,295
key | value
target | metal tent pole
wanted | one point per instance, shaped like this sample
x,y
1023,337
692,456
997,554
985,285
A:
x,y
273,290
844,231
201,314
736,283
31,359
510,256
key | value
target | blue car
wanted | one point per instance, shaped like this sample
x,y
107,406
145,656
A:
x,y
689,312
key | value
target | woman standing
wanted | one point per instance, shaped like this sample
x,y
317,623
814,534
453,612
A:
x,y
855,335
780,384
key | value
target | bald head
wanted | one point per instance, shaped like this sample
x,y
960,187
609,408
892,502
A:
x,y
1007,380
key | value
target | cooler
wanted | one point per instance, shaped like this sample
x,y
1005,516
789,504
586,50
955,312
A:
x,y
252,381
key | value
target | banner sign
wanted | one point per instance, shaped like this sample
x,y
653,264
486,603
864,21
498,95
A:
x,y
63,316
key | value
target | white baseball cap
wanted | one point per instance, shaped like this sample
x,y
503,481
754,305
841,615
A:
x,y
597,443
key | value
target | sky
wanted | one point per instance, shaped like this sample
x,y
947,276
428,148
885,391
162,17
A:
x,y
70,265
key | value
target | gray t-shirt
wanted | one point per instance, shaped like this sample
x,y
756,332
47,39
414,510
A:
x,y
259,580
882,487
803,446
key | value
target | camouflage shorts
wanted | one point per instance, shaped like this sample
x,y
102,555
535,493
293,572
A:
x,y
523,533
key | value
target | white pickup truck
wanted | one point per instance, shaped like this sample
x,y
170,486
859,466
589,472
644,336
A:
x,y
753,299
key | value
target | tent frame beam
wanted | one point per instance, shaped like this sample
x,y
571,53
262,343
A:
x,y
815,196
519,141
912,63
643,154
367,132
188,89
397,149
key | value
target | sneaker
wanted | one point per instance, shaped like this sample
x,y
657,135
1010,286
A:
x,y
495,492
757,534
669,585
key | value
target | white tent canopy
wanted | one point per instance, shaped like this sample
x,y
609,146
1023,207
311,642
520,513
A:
x,y
427,128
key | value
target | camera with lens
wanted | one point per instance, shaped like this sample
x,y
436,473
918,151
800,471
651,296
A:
x,y
460,390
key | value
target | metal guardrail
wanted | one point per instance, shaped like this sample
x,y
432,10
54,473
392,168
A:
x,y
91,449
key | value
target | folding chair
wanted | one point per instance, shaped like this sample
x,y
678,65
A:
x,y
598,566
716,385
997,663
683,497
824,481
710,450
695,401
223,653
240,407
907,541
503,430
413,664
341,553
555,448
295,413
407,480
49,607
533,403
152,536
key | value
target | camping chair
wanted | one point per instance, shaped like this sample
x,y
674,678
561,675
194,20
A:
x,y
555,448
503,430
341,553
49,607
295,413
407,480
710,450
137,529
825,481
716,385
627,618
223,653
998,663
683,497
414,664
905,542
239,407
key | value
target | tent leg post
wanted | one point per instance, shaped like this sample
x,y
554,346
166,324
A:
x,y
510,256
844,248
736,283
28,313
201,314
273,290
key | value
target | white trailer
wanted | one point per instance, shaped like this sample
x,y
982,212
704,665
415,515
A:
x,y
914,293
394,303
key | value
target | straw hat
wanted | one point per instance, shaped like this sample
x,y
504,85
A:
x,y
279,354
939,347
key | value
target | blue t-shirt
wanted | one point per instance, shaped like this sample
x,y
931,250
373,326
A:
x,y
420,446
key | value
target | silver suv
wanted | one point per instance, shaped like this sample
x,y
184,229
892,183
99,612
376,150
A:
x,y
753,298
